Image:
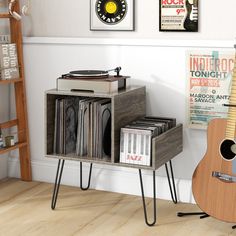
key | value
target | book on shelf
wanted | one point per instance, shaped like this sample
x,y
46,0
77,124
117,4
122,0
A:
x,y
9,68
136,139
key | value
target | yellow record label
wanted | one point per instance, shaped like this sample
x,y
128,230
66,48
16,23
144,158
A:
x,y
111,11
111,7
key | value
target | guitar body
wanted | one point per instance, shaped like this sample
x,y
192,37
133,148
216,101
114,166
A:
x,y
191,20
190,25
215,196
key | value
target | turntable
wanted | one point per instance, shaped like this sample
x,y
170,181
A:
x,y
98,81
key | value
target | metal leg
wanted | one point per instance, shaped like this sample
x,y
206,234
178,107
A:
x,y
202,214
81,177
173,195
154,199
60,167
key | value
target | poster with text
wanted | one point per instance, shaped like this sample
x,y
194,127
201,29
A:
x,y
209,80
178,15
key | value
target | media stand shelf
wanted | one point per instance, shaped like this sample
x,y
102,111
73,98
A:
x,y
126,106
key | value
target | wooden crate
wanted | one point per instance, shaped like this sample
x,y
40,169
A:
x,y
164,147
127,106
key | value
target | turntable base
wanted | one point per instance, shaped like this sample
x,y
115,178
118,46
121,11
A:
x,y
109,84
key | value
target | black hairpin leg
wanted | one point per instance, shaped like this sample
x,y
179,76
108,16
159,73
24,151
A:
x,y
154,199
81,177
202,214
60,167
173,195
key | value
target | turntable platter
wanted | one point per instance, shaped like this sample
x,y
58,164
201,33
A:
x,y
88,73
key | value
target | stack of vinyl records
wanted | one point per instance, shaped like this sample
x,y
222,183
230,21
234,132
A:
x,y
136,139
66,119
83,126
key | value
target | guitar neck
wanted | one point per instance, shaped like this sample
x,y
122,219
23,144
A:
x,y
231,120
195,3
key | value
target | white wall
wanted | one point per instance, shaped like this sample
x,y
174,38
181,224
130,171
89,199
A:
x,y
63,18
159,65
4,115
4,99
4,23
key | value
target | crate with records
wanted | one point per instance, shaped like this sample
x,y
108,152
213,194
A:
x,y
86,126
141,141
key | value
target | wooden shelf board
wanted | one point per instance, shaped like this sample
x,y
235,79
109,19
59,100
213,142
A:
x,y
73,157
92,94
5,15
8,149
11,81
8,124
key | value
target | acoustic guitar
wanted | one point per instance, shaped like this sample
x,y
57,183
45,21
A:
x,y
214,181
191,20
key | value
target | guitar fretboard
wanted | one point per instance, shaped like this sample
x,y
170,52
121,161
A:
x,y
231,120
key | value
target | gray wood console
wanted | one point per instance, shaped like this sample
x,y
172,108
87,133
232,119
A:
x,y
126,106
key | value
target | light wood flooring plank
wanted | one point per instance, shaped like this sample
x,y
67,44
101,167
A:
x,y
25,210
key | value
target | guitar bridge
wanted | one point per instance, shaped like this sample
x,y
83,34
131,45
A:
x,y
224,177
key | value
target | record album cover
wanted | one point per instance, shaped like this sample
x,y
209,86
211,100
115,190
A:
x,y
178,15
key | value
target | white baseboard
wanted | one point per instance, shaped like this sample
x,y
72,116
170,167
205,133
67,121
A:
x,y
108,178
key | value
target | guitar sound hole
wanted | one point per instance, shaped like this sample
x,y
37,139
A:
x,y
226,149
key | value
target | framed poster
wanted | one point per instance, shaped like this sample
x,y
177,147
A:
x,y
209,81
112,15
178,15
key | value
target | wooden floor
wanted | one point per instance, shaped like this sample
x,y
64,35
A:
x,y
25,210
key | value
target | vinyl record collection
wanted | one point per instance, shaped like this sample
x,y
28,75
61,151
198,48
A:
x,y
83,126
136,139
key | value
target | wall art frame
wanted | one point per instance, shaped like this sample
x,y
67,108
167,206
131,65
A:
x,y
178,15
112,15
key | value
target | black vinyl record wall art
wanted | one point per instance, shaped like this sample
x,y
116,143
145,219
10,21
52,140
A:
x,y
111,12
112,15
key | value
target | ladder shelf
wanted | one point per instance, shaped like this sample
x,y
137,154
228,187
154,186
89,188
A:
x,y
21,121
8,149
9,124
5,15
11,81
